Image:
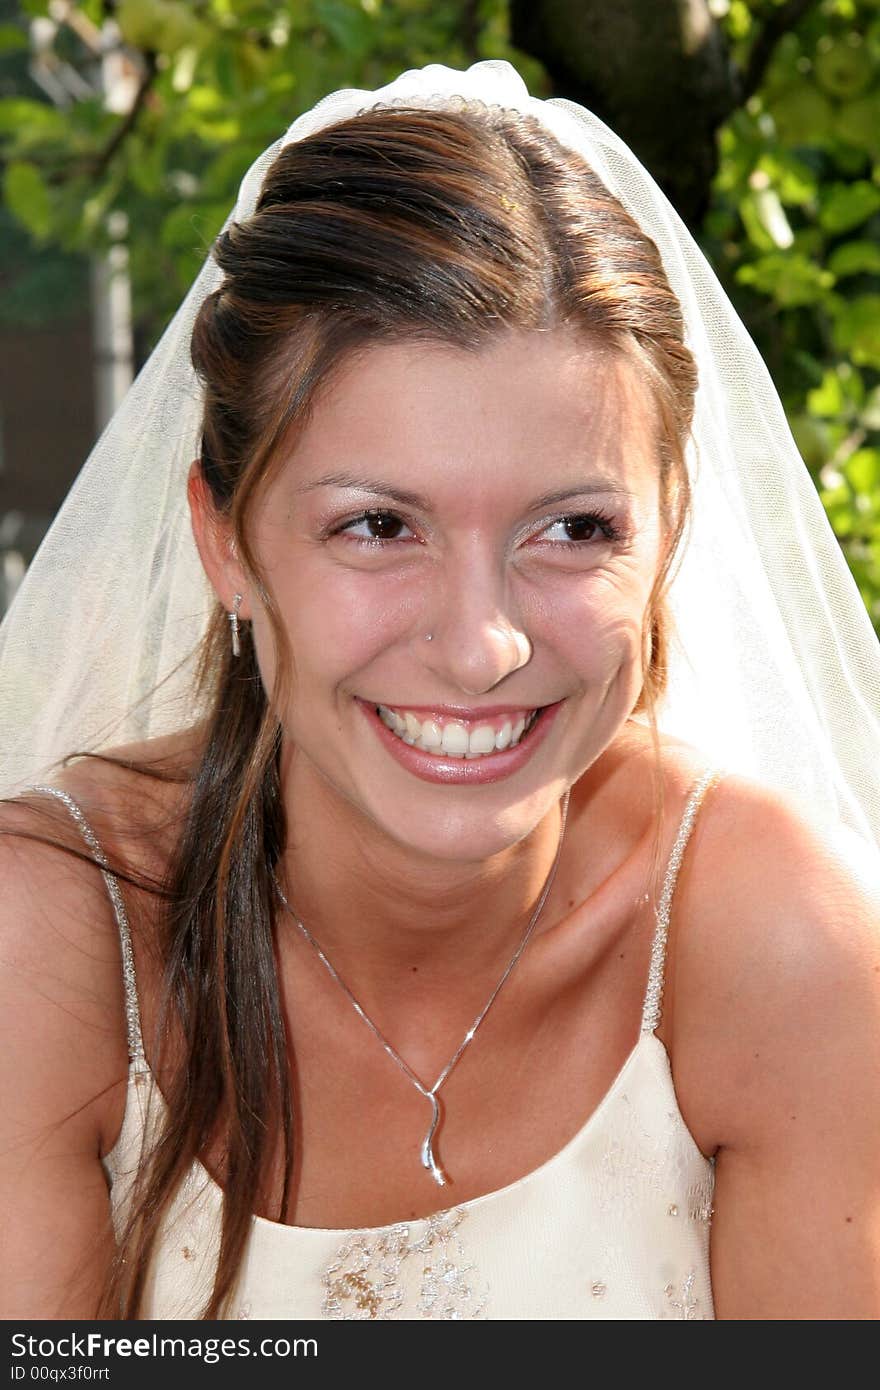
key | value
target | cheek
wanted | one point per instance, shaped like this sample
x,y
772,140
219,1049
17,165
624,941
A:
x,y
360,615
335,622
599,621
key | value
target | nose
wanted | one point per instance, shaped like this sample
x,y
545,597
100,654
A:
x,y
476,637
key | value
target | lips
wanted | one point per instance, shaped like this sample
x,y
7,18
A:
x,y
433,766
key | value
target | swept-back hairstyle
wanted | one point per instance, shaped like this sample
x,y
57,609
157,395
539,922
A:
x,y
399,223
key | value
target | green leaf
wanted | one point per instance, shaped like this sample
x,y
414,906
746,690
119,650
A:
x,y
855,258
788,279
95,10
11,37
856,329
148,172
348,25
163,26
204,99
139,20
843,66
739,19
224,68
847,205
828,399
18,114
842,517
859,123
863,470
802,115
793,180
27,197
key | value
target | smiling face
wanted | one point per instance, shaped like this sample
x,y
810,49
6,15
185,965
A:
x,y
507,503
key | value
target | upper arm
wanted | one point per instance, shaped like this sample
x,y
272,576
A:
x,y
62,1070
785,1035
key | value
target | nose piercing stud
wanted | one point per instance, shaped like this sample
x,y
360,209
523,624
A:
x,y
429,636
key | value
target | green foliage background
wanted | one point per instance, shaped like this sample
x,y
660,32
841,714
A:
x,y
793,235
792,229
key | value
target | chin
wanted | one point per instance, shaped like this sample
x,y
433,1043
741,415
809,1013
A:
x,y
455,826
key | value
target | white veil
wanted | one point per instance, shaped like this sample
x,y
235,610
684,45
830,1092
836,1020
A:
x,y
774,667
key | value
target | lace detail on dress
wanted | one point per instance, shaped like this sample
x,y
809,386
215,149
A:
x,y
369,1275
699,1199
683,1302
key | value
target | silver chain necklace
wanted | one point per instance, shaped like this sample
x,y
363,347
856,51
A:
x,y
428,1157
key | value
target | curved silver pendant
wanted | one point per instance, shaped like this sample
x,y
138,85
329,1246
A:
x,y
428,1159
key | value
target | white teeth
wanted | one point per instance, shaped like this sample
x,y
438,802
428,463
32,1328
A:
x,y
453,740
482,740
432,734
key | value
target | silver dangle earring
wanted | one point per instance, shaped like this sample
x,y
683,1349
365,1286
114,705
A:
x,y
233,623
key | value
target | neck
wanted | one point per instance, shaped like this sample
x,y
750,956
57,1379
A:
x,y
384,912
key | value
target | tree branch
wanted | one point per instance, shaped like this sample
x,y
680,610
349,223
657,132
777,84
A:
x,y
782,21
129,121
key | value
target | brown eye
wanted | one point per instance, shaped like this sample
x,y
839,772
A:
x,y
385,526
379,526
580,528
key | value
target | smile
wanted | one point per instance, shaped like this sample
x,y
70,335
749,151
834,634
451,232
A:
x,y
457,738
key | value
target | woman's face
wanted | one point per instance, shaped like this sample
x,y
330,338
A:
x,y
507,503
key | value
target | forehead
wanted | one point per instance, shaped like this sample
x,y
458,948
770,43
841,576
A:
x,y
527,408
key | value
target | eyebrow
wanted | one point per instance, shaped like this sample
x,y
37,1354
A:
x,y
414,499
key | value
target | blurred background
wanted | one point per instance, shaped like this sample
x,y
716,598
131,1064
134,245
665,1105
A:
x,y
125,128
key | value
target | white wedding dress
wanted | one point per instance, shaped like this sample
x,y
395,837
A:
x,y
615,1225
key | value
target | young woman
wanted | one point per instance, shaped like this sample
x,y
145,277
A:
x,y
496,897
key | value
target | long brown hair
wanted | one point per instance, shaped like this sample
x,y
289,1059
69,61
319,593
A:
x,y
452,226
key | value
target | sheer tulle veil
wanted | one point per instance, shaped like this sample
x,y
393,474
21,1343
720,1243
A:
x,y
774,666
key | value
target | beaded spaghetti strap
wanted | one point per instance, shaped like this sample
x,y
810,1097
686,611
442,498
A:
x,y
654,991
132,1011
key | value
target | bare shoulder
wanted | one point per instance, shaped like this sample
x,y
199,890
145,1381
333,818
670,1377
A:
x,y
775,1047
771,883
58,946
777,960
61,996
745,817
63,1042
63,1063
